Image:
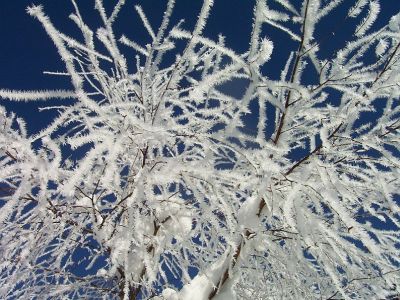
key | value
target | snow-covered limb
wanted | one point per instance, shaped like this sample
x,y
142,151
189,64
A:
x,y
35,95
153,178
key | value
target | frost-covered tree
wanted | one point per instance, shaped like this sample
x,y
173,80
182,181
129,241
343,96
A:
x,y
152,176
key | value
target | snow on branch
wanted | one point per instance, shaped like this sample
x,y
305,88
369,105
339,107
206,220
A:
x,y
185,169
16,95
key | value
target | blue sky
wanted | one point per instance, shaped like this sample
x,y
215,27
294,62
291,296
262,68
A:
x,y
26,51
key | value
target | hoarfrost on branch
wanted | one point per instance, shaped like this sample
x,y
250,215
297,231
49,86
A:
x,y
151,175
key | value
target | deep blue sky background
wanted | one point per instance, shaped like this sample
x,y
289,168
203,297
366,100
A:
x,y
26,50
